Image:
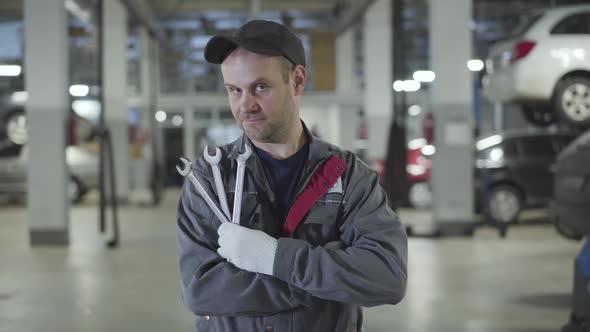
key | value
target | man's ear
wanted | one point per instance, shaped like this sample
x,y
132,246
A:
x,y
299,79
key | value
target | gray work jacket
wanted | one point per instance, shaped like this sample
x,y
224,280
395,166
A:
x,y
339,248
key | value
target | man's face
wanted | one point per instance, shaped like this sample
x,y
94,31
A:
x,y
261,101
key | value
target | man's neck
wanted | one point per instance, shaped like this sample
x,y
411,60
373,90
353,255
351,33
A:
x,y
293,143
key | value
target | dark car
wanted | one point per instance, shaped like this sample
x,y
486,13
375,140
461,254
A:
x,y
571,204
514,172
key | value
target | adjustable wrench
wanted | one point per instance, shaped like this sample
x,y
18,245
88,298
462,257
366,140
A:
x,y
242,157
214,162
186,171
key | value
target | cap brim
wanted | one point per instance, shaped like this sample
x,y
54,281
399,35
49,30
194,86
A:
x,y
219,47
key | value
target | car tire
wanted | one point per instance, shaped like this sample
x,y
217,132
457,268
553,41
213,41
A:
x,y
572,101
76,190
420,195
567,232
504,204
539,115
16,128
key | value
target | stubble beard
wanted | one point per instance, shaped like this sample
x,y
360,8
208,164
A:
x,y
269,133
273,132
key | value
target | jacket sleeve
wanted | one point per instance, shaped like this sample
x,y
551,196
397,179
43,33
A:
x,y
211,285
369,269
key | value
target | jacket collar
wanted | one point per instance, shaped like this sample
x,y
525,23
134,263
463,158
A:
x,y
318,152
318,149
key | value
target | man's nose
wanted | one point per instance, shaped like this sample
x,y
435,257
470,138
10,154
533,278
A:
x,y
247,103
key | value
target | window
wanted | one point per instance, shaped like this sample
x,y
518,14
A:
x,y
577,24
526,24
537,146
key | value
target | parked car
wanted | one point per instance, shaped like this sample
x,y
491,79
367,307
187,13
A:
x,y
81,161
571,205
545,67
13,131
418,167
514,172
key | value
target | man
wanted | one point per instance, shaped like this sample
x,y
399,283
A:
x,y
316,239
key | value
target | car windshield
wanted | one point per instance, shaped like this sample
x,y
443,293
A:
x,y
525,23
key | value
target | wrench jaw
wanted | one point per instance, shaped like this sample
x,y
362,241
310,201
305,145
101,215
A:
x,y
186,172
186,168
242,157
214,163
212,159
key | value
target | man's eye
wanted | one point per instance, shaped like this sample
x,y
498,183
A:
x,y
261,87
233,90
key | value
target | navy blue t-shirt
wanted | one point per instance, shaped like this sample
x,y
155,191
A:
x,y
283,175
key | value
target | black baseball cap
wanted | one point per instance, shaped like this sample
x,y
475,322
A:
x,y
258,36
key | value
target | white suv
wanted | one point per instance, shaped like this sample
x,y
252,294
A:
x,y
545,67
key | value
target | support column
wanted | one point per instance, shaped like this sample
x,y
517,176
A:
x,y
141,166
115,89
450,49
344,118
378,77
46,81
498,117
345,79
188,133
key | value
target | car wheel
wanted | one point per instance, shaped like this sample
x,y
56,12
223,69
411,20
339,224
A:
x,y
420,195
16,128
538,115
568,232
75,190
572,100
504,204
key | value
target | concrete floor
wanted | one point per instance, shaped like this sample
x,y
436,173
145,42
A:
x,y
484,283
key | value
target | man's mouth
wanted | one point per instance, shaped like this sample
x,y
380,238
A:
x,y
253,120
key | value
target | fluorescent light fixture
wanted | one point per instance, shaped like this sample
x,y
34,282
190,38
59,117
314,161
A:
x,y
177,120
416,143
19,97
73,8
161,116
424,76
407,85
488,141
415,170
89,109
79,90
428,150
475,65
415,110
411,85
398,86
10,70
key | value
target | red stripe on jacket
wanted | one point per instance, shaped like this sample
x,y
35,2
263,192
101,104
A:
x,y
321,181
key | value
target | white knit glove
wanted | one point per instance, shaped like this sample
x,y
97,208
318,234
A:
x,y
246,248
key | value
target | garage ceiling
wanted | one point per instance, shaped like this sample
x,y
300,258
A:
x,y
167,8
173,7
